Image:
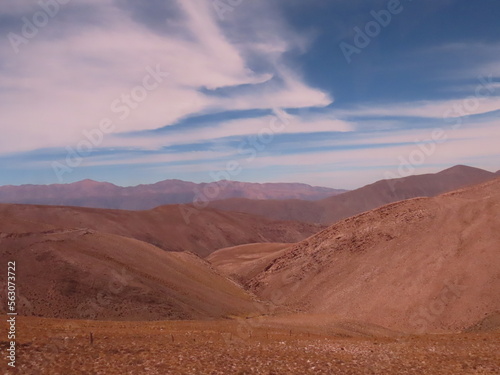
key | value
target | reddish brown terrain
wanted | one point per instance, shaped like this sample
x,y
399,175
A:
x,y
411,287
332,209
421,265
82,274
172,228
244,347
244,262
89,193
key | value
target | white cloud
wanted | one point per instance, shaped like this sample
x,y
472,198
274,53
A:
x,y
476,144
282,124
469,105
59,85
349,168
132,159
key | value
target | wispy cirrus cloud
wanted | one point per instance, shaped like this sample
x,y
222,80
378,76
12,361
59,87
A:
x,y
218,131
69,80
426,109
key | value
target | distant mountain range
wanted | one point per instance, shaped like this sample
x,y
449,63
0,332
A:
x,y
332,209
89,193
276,201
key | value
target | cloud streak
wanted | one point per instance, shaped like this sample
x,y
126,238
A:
x,y
69,81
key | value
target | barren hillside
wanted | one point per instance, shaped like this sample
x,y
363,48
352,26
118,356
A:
x,y
426,264
172,228
243,262
83,274
332,209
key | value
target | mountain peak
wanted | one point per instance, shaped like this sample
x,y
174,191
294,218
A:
x,y
88,181
461,169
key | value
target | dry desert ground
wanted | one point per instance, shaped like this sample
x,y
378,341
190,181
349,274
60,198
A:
x,y
249,346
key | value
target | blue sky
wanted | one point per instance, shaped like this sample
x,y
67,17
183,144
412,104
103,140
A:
x,y
334,93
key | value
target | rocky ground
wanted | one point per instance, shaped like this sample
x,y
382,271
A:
x,y
50,346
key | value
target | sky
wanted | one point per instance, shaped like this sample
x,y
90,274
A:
x,y
336,93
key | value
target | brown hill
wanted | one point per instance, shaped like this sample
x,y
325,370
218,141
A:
x,y
95,194
165,226
243,262
425,264
83,274
332,209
